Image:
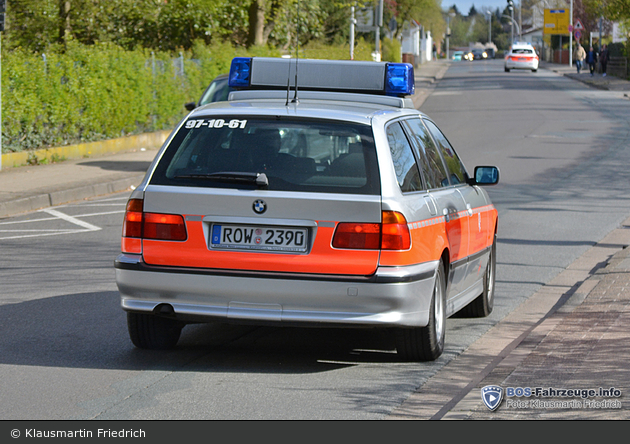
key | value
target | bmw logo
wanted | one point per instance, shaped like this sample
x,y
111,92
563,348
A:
x,y
259,206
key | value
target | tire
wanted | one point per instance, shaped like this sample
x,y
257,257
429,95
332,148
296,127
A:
x,y
534,70
153,332
507,69
482,306
426,343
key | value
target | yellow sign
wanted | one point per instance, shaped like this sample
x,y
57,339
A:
x,y
556,21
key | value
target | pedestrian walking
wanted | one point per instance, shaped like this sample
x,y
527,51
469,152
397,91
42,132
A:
x,y
579,55
603,59
591,59
434,52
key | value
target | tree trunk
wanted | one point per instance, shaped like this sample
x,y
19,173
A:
x,y
64,19
256,34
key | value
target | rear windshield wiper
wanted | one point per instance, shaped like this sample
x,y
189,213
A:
x,y
259,179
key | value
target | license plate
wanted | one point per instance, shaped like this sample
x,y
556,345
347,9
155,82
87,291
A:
x,y
260,238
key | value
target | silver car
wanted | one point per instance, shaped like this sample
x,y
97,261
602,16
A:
x,y
333,202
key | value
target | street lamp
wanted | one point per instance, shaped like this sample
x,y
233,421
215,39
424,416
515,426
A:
x,y
448,33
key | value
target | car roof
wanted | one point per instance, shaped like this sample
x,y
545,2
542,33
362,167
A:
x,y
310,105
522,45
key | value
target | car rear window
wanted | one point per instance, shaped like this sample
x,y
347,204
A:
x,y
294,154
522,51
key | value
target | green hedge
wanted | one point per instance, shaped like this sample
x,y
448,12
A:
x,y
96,92
89,93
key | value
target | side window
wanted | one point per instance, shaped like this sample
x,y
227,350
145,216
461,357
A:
x,y
455,166
407,171
433,168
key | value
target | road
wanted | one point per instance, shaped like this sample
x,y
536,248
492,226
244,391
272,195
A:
x,y
560,147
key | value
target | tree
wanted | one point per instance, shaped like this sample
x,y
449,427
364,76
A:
x,y
425,12
610,9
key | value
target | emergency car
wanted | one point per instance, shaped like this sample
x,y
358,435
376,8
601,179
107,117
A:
x,y
521,56
318,198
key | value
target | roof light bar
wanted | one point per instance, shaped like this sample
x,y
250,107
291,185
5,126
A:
x,y
267,73
399,79
240,72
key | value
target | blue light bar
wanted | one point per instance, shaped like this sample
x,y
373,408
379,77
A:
x,y
348,76
240,72
399,79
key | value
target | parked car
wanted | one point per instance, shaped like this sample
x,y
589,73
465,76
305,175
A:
x,y
521,56
477,54
458,55
340,205
217,91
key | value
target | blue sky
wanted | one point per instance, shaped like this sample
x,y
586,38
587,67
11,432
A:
x,y
464,5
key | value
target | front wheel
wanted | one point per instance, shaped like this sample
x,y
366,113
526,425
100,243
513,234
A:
x,y
153,332
426,343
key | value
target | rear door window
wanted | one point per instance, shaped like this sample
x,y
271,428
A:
x,y
407,172
294,155
455,167
433,168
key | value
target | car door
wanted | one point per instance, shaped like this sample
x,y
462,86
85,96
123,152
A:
x,y
474,221
449,201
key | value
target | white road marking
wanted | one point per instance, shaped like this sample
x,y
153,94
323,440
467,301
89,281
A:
x,y
71,219
27,233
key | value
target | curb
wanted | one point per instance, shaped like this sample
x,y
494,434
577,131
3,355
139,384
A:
x,y
83,150
37,202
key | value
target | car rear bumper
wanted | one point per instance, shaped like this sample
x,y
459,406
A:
x,y
521,65
393,296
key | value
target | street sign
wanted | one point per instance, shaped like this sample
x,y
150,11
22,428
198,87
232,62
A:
x,y
578,25
556,22
577,34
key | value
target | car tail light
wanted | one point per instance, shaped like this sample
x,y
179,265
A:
x,y
357,236
132,225
140,225
395,232
391,234
163,227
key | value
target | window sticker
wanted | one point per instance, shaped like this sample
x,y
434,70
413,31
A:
x,y
215,123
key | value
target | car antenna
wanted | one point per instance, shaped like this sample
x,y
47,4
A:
x,y
297,56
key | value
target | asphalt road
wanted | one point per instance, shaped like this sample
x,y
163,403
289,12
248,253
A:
x,y
560,147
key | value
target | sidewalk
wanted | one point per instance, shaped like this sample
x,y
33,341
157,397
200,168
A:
x,y
608,82
573,333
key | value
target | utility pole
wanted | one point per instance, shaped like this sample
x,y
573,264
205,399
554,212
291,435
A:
x,y
3,8
511,8
489,26
520,20
570,36
378,22
352,23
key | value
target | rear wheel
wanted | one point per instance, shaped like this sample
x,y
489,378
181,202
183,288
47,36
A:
x,y
482,306
507,69
153,332
426,343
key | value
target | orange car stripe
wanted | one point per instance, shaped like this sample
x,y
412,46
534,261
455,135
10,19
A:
x,y
321,259
429,238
